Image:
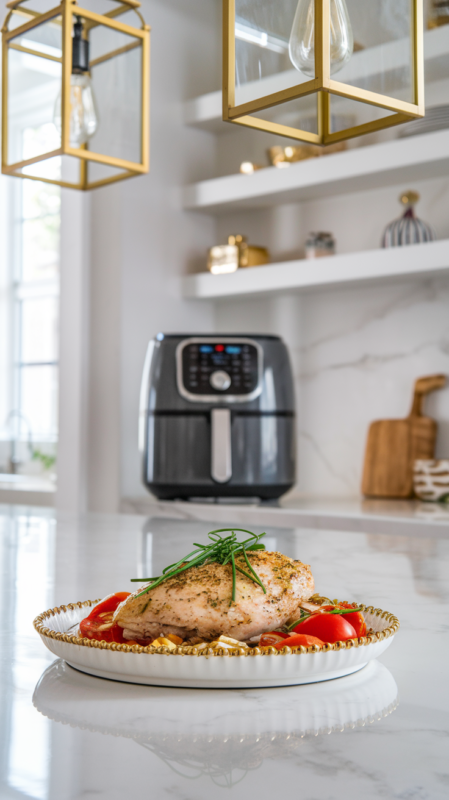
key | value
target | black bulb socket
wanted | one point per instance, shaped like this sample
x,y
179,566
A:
x,y
80,49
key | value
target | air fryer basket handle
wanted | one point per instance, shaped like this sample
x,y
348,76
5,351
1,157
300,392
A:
x,y
221,452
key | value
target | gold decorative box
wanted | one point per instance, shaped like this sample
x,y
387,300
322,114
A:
x,y
236,254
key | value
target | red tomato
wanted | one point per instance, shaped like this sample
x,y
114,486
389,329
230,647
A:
x,y
328,627
110,603
298,640
356,619
272,639
98,625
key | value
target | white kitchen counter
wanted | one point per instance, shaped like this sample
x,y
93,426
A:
x,y
372,516
27,490
381,733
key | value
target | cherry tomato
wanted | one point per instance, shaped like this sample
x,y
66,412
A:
x,y
272,639
356,619
110,603
328,627
98,625
298,640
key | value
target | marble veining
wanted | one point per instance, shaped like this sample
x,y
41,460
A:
x,y
357,362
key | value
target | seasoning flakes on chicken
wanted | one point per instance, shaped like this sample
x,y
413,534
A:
x,y
196,604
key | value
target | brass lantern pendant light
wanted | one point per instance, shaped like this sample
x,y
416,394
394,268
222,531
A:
x,y
75,93
322,71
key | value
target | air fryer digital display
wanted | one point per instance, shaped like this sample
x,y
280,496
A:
x,y
220,369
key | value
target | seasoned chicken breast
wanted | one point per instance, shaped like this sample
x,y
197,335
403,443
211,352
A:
x,y
196,604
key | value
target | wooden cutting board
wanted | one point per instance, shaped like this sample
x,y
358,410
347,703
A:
x,y
393,445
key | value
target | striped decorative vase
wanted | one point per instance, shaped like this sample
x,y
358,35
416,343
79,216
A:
x,y
431,479
408,229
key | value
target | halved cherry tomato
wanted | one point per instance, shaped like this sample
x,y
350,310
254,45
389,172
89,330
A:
x,y
98,625
356,619
299,640
272,639
328,627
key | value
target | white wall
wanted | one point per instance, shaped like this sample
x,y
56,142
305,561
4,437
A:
x,y
4,311
142,242
5,365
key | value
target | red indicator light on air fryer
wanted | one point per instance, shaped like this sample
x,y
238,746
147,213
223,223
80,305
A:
x,y
219,348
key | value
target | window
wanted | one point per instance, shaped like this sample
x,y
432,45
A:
x,y
30,423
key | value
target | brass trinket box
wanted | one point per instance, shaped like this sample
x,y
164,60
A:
x,y
236,254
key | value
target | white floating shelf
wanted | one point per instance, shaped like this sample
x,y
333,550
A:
x,y
372,167
206,111
417,260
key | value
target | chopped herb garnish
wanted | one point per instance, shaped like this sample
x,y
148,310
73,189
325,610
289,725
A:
x,y
222,550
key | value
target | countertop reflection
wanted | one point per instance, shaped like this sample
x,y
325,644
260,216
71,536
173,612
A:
x,y
216,733
380,733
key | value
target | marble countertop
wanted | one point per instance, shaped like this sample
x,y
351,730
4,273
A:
x,y
381,733
356,514
27,489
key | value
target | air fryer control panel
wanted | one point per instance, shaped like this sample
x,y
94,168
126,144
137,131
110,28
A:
x,y
212,369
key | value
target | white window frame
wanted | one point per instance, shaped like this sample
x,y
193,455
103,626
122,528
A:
x,y
26,111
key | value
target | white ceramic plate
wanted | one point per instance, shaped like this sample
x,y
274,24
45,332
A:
x,y
184,667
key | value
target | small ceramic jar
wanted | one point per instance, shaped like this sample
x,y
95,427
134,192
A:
x,y
319,244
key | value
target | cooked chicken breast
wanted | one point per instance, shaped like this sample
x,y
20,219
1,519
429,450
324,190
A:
x,y
196,604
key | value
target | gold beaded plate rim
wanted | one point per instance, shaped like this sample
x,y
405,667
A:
x,y
192,650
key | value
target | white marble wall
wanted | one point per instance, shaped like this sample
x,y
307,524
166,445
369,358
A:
x,y
360,352
356,353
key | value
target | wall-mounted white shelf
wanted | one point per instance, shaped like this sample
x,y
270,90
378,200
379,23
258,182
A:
x,y
418,260
206,111
371,167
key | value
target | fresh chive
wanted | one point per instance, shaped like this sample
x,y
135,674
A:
x,y
233,579
222,550
344,610
256,577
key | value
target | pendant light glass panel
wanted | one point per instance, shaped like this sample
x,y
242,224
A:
x,y
33,81
286,61
75,92
383,54
117,85
301,113
345,114
262,31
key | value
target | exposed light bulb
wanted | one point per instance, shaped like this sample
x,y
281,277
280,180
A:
x,y
301,47
83,113
83,116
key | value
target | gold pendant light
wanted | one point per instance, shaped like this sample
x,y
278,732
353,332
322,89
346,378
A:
x,y
280,58
75,94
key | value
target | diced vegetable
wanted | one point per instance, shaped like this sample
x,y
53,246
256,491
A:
x,y
175,639
163,642
299,640
224,642
272,639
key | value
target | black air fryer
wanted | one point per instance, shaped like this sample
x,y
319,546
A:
x,y
217,417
